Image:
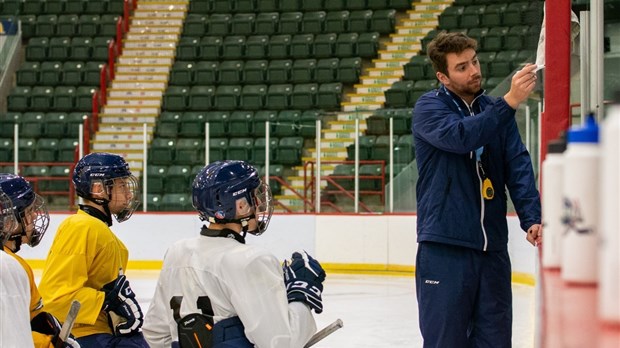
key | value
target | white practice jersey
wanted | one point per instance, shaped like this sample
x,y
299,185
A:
x,y
240,280
14,304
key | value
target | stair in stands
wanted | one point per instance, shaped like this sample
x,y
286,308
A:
x,y
141,77
368,95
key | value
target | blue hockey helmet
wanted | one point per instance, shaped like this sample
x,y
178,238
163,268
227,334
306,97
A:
x,y
29,208
220,187
8,223
104,168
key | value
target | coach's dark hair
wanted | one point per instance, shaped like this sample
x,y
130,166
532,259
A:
x,y
445,43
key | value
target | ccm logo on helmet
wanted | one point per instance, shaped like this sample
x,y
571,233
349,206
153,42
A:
x,y
239,192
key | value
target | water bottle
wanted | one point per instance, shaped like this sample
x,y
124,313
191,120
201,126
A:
x,y
552,201
580,207
609,282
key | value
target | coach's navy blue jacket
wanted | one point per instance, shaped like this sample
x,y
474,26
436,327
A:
x,y
451,209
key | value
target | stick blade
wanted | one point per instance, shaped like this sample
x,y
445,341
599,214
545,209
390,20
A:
x,y
67,325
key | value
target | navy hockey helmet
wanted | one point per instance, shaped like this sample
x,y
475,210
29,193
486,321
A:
x,y
104,168
29,208
8,222
220,186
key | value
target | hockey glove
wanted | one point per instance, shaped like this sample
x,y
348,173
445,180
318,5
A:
x,y
124,313
46,324
303,278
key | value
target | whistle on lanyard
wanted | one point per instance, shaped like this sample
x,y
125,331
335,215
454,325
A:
x,y
488,192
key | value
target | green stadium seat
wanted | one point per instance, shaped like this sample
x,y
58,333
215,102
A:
x,y
64,98
217,149
346,45
92,73
88,24
155,177
176,202
245,6
403,150
485,59
46,25
162,151
176,98
6,149
34,172
243,23
186,151
530,41
59,48
75,119
290,22
371,177
201,98
383,21
34,7
210,48
534,13
256,46
366,142
329,96
417,68
189,47
168,124
95,7
287,124
178,178
233,47
279,71
289,150
357,4
381,149
279,46
26,149
343,177
41,98
304,96
335,5
46,150
255,71
422,86
28,25
223,6
313,22
73,73
492,82
19,99
275,170
32,125
268,5
398,94
302,45
218,123
231,72
195,24
107,25
326,70
240,149
402,121
266,23
494,41
12,7
325,45
84,98
253,97
303,70
399,4
192,125
515,38
206,72
359,21
337,21
82,48
50,73
201,6
75,6
100,48
117,6
28,74
258,150
290,5
227,97
67,25
182,73
449,18
513,15
260,118
62,174
307,123
219,24
56,124
478,34
472,16
153,202
493,15
368,45
240,122
279,96
66,149
505,62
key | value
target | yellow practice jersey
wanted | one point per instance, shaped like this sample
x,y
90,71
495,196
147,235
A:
x,y
36,302
84,256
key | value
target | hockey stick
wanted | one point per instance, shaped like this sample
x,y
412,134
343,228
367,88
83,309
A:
x,y
67,325
326,331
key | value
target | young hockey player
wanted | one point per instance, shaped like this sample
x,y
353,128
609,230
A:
x,y
216,291
32,220
86,261
14,287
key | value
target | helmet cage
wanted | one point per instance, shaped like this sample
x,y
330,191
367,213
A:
x,y
40,222
8,222
132,186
